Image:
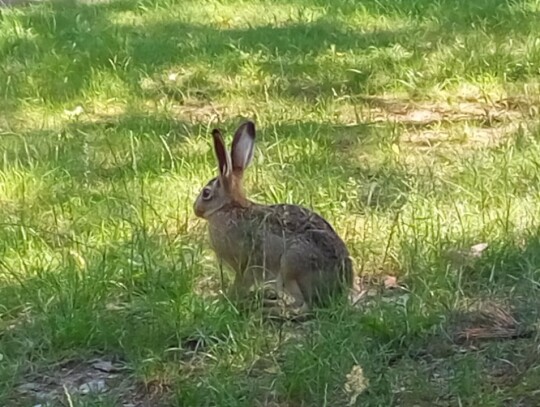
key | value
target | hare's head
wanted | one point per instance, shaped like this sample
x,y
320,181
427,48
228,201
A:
x,y
226,188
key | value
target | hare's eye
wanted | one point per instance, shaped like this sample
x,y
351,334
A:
x,y
206,194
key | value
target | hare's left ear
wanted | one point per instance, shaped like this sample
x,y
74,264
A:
x,y
222,155
242,147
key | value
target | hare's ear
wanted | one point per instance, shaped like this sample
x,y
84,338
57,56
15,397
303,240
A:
x,y
222,155
242,147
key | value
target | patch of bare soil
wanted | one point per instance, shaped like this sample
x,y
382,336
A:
x,y
472,136
68,380
427,124
413,113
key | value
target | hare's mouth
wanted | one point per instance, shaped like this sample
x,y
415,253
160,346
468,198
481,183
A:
x,y
198,210
203,211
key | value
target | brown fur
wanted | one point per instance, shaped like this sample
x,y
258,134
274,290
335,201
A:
x,y
288,244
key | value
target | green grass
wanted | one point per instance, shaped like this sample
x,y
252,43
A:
x,y
411,125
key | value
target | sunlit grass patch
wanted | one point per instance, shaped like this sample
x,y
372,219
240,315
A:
x,y
412,126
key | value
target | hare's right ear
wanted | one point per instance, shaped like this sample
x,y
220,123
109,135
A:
x,y
222,155
242,147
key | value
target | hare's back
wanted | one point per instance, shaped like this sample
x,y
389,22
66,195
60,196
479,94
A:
x,y
300,224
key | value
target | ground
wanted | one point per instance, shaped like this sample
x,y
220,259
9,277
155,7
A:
x,y
412,126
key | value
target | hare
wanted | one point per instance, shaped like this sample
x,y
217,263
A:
x,y
288,244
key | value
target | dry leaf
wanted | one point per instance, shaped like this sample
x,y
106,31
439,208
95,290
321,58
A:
x,y
75,112
390,282
114,307
478,249
356,383
104,366
93,386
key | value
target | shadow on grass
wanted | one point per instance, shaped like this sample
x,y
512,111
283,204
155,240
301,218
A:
x,y
73,42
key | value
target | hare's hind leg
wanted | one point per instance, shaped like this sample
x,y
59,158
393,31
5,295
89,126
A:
x,y
292,288
291,269
279,308
290,274
286,284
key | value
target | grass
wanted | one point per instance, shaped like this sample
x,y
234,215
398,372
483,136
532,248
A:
x,y
411,125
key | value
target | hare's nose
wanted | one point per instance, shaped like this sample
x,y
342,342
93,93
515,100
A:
x,y
197,208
